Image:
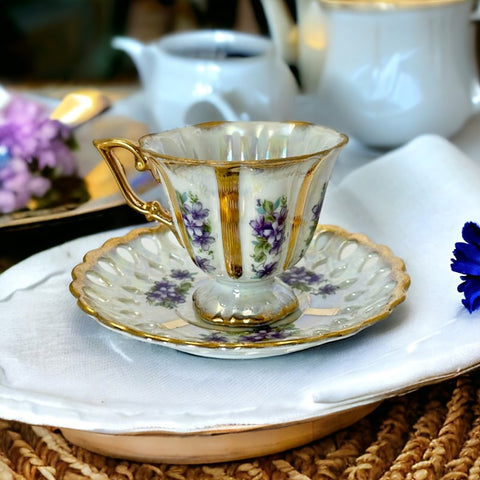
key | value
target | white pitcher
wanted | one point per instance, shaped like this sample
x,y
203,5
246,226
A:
x,y
212,75
385,71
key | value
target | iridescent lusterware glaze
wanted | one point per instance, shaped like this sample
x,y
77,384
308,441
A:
x,y
244,199
141,284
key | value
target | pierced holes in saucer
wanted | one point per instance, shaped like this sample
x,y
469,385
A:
x,y
147,327
95,295
376,306
150,245
321,331
169,241
128,301
145,277
340,323
314,261
179,260
350,310
389,287
353,296
379,276
131,290
97,279
347,249
382,293
126,313
322,240
347,283
114,307
127,254
371,262
109,267
339,271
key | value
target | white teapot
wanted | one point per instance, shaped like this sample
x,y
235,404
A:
x,y
191,77
384,71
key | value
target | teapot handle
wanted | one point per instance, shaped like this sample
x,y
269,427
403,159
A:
x,y
152,210
196,112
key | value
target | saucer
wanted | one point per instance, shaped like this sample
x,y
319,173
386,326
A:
x,y
141,285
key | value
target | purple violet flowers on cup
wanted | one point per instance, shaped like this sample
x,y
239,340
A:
x,y
467,262
35,158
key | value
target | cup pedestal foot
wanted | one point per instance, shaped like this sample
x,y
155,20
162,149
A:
x,y
236,304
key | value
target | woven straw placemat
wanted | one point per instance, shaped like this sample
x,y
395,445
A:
x,y
431,433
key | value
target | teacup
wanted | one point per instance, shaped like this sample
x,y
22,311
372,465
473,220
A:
x,y
210,75
244,199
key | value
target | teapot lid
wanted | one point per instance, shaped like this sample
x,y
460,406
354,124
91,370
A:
x,y
386,4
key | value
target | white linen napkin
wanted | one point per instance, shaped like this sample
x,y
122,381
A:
x,y
60,367
416,200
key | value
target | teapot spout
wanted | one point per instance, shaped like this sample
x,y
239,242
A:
x,y
282,28
138,52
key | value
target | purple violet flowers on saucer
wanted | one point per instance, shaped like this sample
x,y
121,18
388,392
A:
x,y
467,262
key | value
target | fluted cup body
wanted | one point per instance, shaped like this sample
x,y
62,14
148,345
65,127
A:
x,y
244,199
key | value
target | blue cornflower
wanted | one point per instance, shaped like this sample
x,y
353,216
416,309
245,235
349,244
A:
x,y
467,262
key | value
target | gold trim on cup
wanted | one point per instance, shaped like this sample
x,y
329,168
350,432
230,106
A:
x,y
228,184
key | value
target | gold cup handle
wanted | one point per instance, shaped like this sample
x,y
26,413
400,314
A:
x,y
152,210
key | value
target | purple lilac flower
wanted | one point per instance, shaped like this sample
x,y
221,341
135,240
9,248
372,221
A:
x,y
28,133
18,185
467,262
30,143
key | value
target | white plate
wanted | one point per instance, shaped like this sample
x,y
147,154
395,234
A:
x,y
141,285
60,368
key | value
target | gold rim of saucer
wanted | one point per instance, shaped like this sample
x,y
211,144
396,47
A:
x,y
398,295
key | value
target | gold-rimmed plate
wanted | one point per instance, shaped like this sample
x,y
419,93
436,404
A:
x,y
141,284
